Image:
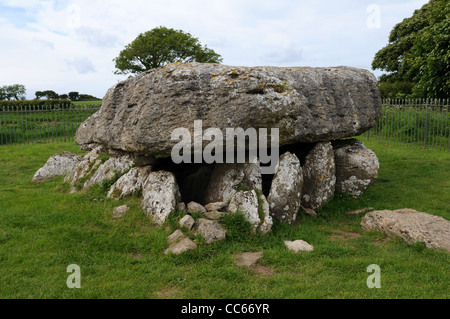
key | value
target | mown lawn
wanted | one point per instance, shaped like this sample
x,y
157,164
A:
x,y
43,230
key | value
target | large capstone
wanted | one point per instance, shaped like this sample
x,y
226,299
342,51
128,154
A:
x,y
307,104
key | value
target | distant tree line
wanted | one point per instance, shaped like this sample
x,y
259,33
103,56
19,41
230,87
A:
x,y
12,92
17,92
71,96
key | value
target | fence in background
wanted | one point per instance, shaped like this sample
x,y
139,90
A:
x,y
42,124
423,124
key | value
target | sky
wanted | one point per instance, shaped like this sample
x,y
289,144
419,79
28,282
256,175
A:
x,y
69,45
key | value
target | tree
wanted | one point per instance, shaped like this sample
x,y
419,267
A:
x,y
74,96
162,46
417,57
16,91
3,94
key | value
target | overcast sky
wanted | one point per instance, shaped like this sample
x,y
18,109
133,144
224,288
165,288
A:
x,y
70,45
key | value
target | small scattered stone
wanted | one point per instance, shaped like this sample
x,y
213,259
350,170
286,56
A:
x,y
214,215
181,207
176,237
211,230
119,212
181,247
187,222
249,260
215,206
310,212
194,207
298,246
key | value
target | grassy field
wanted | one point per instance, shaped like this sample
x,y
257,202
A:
x,y
43,230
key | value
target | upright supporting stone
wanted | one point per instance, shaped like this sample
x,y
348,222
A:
x,y
319,173
161,196
286,192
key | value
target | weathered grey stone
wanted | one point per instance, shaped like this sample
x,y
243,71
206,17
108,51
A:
x,y
211,230
108,170
120,211
411,226
161,196
175,237
58,165
130,183
194,207
307,104
356,167
181,207
249,260
286,191
214,215
187,222
215,206
267,222
181,247
299,246
228,178
319,176
86,168
248,203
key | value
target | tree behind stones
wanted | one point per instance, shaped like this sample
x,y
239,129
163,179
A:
x,y
162,46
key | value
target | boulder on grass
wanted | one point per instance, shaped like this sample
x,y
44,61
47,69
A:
x,y
411,226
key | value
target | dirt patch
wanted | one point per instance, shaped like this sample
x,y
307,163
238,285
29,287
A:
x,y
137,256
381,242
263,271
343,235
169,293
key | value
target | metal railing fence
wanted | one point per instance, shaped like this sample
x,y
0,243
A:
x,y
28,124
423,124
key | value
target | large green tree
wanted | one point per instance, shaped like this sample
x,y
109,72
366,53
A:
x,y
162,46
417,58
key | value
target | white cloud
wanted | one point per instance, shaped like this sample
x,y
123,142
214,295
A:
x,y
69,45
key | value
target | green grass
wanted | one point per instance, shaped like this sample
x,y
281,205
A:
x,y
96,102
43,230
39,124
